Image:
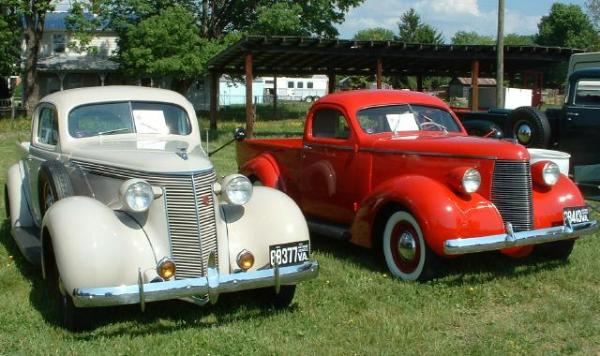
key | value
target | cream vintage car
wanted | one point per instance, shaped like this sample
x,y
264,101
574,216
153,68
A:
x,y
118,202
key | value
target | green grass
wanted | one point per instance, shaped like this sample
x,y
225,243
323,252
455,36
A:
x,y
482,304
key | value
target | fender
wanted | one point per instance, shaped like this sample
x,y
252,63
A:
x,y
265,168
549,202
94,246
16,183
269,218
441,213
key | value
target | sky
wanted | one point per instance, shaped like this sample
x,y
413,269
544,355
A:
x,y
450,16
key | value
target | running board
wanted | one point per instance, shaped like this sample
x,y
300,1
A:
x,y
29,243
333,231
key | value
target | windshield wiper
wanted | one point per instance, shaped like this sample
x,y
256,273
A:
x,y
114,131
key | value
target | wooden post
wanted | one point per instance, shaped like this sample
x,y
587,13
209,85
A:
x,y
331,84
475,85
214,100
249,111
379,72
274,95
420,82
500,57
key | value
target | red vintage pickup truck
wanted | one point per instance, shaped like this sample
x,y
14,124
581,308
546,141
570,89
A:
x,y
396,170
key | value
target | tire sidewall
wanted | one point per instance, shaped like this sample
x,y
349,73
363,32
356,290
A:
x,y
391,223
537,122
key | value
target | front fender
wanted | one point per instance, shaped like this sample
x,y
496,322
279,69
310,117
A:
x,y
95,246
269,218
548,203
441,213
263,167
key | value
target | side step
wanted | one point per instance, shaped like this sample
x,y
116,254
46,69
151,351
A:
x,y
27,239
334,231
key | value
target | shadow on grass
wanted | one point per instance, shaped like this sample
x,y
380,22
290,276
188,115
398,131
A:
x,y
159,317
467,270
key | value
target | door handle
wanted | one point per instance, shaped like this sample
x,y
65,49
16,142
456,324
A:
x,y
307,147
572,114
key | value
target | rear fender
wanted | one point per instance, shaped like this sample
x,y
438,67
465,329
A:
x,y
265,169
94,246
441,213
269,218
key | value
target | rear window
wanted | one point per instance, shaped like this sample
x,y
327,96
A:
x,y
401,118
587,92
128,117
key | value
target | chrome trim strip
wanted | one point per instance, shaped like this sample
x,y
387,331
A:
x,y
198,223
87,165
213,284
329,145
514,239
417,153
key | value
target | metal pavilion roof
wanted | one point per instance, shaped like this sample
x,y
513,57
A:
x,y
301,56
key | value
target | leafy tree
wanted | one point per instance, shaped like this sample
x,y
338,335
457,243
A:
x,y
279,19
593,9
9,39
514,39
567,26
413,30
374,34
468,38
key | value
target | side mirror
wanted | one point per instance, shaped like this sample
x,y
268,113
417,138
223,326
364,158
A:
x,y
239,134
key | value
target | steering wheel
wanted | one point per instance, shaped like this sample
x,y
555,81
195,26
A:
x,y
438,127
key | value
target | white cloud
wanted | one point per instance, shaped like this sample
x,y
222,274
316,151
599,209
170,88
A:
x,y
450,7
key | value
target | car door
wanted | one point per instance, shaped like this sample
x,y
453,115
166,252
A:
x,y
580,126
44,146
329,167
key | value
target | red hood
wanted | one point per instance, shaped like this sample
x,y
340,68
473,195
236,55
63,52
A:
x,y
451,145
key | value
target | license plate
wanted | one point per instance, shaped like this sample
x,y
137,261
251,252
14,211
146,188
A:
x,y
289,254
579,214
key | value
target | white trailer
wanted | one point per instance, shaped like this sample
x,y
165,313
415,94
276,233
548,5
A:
x,y
306,89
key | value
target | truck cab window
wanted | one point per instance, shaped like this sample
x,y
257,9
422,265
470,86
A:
x,y
330,123
587,92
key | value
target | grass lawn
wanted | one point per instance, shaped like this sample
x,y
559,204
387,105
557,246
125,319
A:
x,y
483,304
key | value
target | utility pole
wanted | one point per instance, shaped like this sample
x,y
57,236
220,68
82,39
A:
x,y
500,57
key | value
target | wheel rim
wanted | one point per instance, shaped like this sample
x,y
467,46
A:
x,y
405,247
48,196
523,132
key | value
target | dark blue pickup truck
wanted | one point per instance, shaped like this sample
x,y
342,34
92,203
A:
x,y
573,128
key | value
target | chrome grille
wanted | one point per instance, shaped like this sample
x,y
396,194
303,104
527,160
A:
x,y
511,193
190,213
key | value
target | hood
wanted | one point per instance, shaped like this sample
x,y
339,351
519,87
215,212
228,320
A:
x,y
142,154
452,145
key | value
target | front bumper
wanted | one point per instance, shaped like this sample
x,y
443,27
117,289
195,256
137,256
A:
x,y
210,285
522,238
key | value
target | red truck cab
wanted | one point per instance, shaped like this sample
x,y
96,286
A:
x,y
396,170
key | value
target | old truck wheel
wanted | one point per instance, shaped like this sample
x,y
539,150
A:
x,y
530,127
406,254
54,184
280,300
558,250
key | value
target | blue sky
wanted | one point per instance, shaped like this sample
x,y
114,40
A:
x,y
450,16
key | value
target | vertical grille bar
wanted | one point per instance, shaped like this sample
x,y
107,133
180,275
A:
x,y
190,213
511,193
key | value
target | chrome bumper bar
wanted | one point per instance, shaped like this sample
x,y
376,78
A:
x,y
522,238
210,285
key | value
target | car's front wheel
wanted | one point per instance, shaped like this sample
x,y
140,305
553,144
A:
x,y
558,250
55,184
405,251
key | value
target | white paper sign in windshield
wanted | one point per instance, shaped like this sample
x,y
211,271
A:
x,y
402,122
150,121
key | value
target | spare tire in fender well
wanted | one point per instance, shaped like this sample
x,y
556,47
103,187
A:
x,y
530,127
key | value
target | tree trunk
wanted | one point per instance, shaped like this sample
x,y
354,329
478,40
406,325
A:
x,y
181,85
34,29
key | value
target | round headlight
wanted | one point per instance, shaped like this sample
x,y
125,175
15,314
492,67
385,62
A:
x,y
550,173
471,180
237,189
136,195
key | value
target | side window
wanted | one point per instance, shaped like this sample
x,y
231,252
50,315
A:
x,y
291,85
47,131
587,92
330,123
300,85
309,85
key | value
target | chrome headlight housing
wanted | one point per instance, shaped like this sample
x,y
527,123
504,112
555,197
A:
x,y
471,180
237,189
136,195
550,173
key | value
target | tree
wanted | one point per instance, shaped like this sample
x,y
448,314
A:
x,y
9,39
472,38
279,19
567,26
514,39
593,9
413,30
374,34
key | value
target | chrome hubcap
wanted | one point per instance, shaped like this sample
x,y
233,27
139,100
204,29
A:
x,y
407,246
524,133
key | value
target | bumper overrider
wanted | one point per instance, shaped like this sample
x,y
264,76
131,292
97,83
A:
x,y
209,286
523,238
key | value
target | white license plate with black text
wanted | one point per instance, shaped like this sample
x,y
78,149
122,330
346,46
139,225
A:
x,y
289,254
579,214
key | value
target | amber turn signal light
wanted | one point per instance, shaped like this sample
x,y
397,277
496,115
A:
x,y
166,268
245,260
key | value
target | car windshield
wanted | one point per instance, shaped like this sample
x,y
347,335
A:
x,y
401,118
128,117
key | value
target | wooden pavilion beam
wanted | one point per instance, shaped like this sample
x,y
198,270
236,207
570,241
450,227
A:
x,y
475,85
249,109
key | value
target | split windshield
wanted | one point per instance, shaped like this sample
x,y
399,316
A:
x,y
128,117
403,118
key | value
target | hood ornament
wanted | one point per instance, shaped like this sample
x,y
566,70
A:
x,y
182,152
